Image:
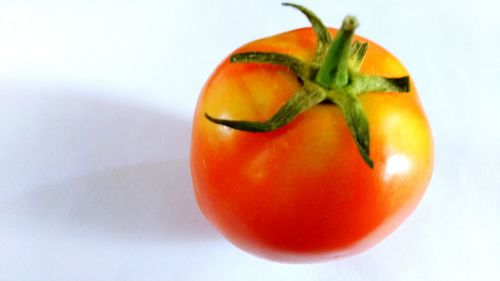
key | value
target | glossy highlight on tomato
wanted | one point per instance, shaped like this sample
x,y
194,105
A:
x,y
303,192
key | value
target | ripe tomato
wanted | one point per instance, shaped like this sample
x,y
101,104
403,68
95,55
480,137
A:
x,y
303,192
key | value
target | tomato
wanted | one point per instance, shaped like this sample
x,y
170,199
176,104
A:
x,y
303,192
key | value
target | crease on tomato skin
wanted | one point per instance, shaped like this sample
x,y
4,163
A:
x,y
249,105
279,84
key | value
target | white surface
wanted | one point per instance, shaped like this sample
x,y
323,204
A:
x,y
96,99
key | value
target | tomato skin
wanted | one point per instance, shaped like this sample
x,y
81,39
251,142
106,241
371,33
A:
x,y
303,193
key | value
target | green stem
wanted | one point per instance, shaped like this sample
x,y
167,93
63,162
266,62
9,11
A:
x,y
334,71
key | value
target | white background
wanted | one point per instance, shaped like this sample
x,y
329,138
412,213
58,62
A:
x,y
96,100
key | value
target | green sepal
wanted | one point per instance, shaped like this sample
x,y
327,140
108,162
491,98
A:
x,y
368,84
324,37
305,98
294,64
356,120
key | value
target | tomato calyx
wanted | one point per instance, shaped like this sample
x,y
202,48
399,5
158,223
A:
x,y
332,75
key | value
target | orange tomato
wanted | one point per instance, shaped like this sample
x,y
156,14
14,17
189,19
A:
x,y
302,192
